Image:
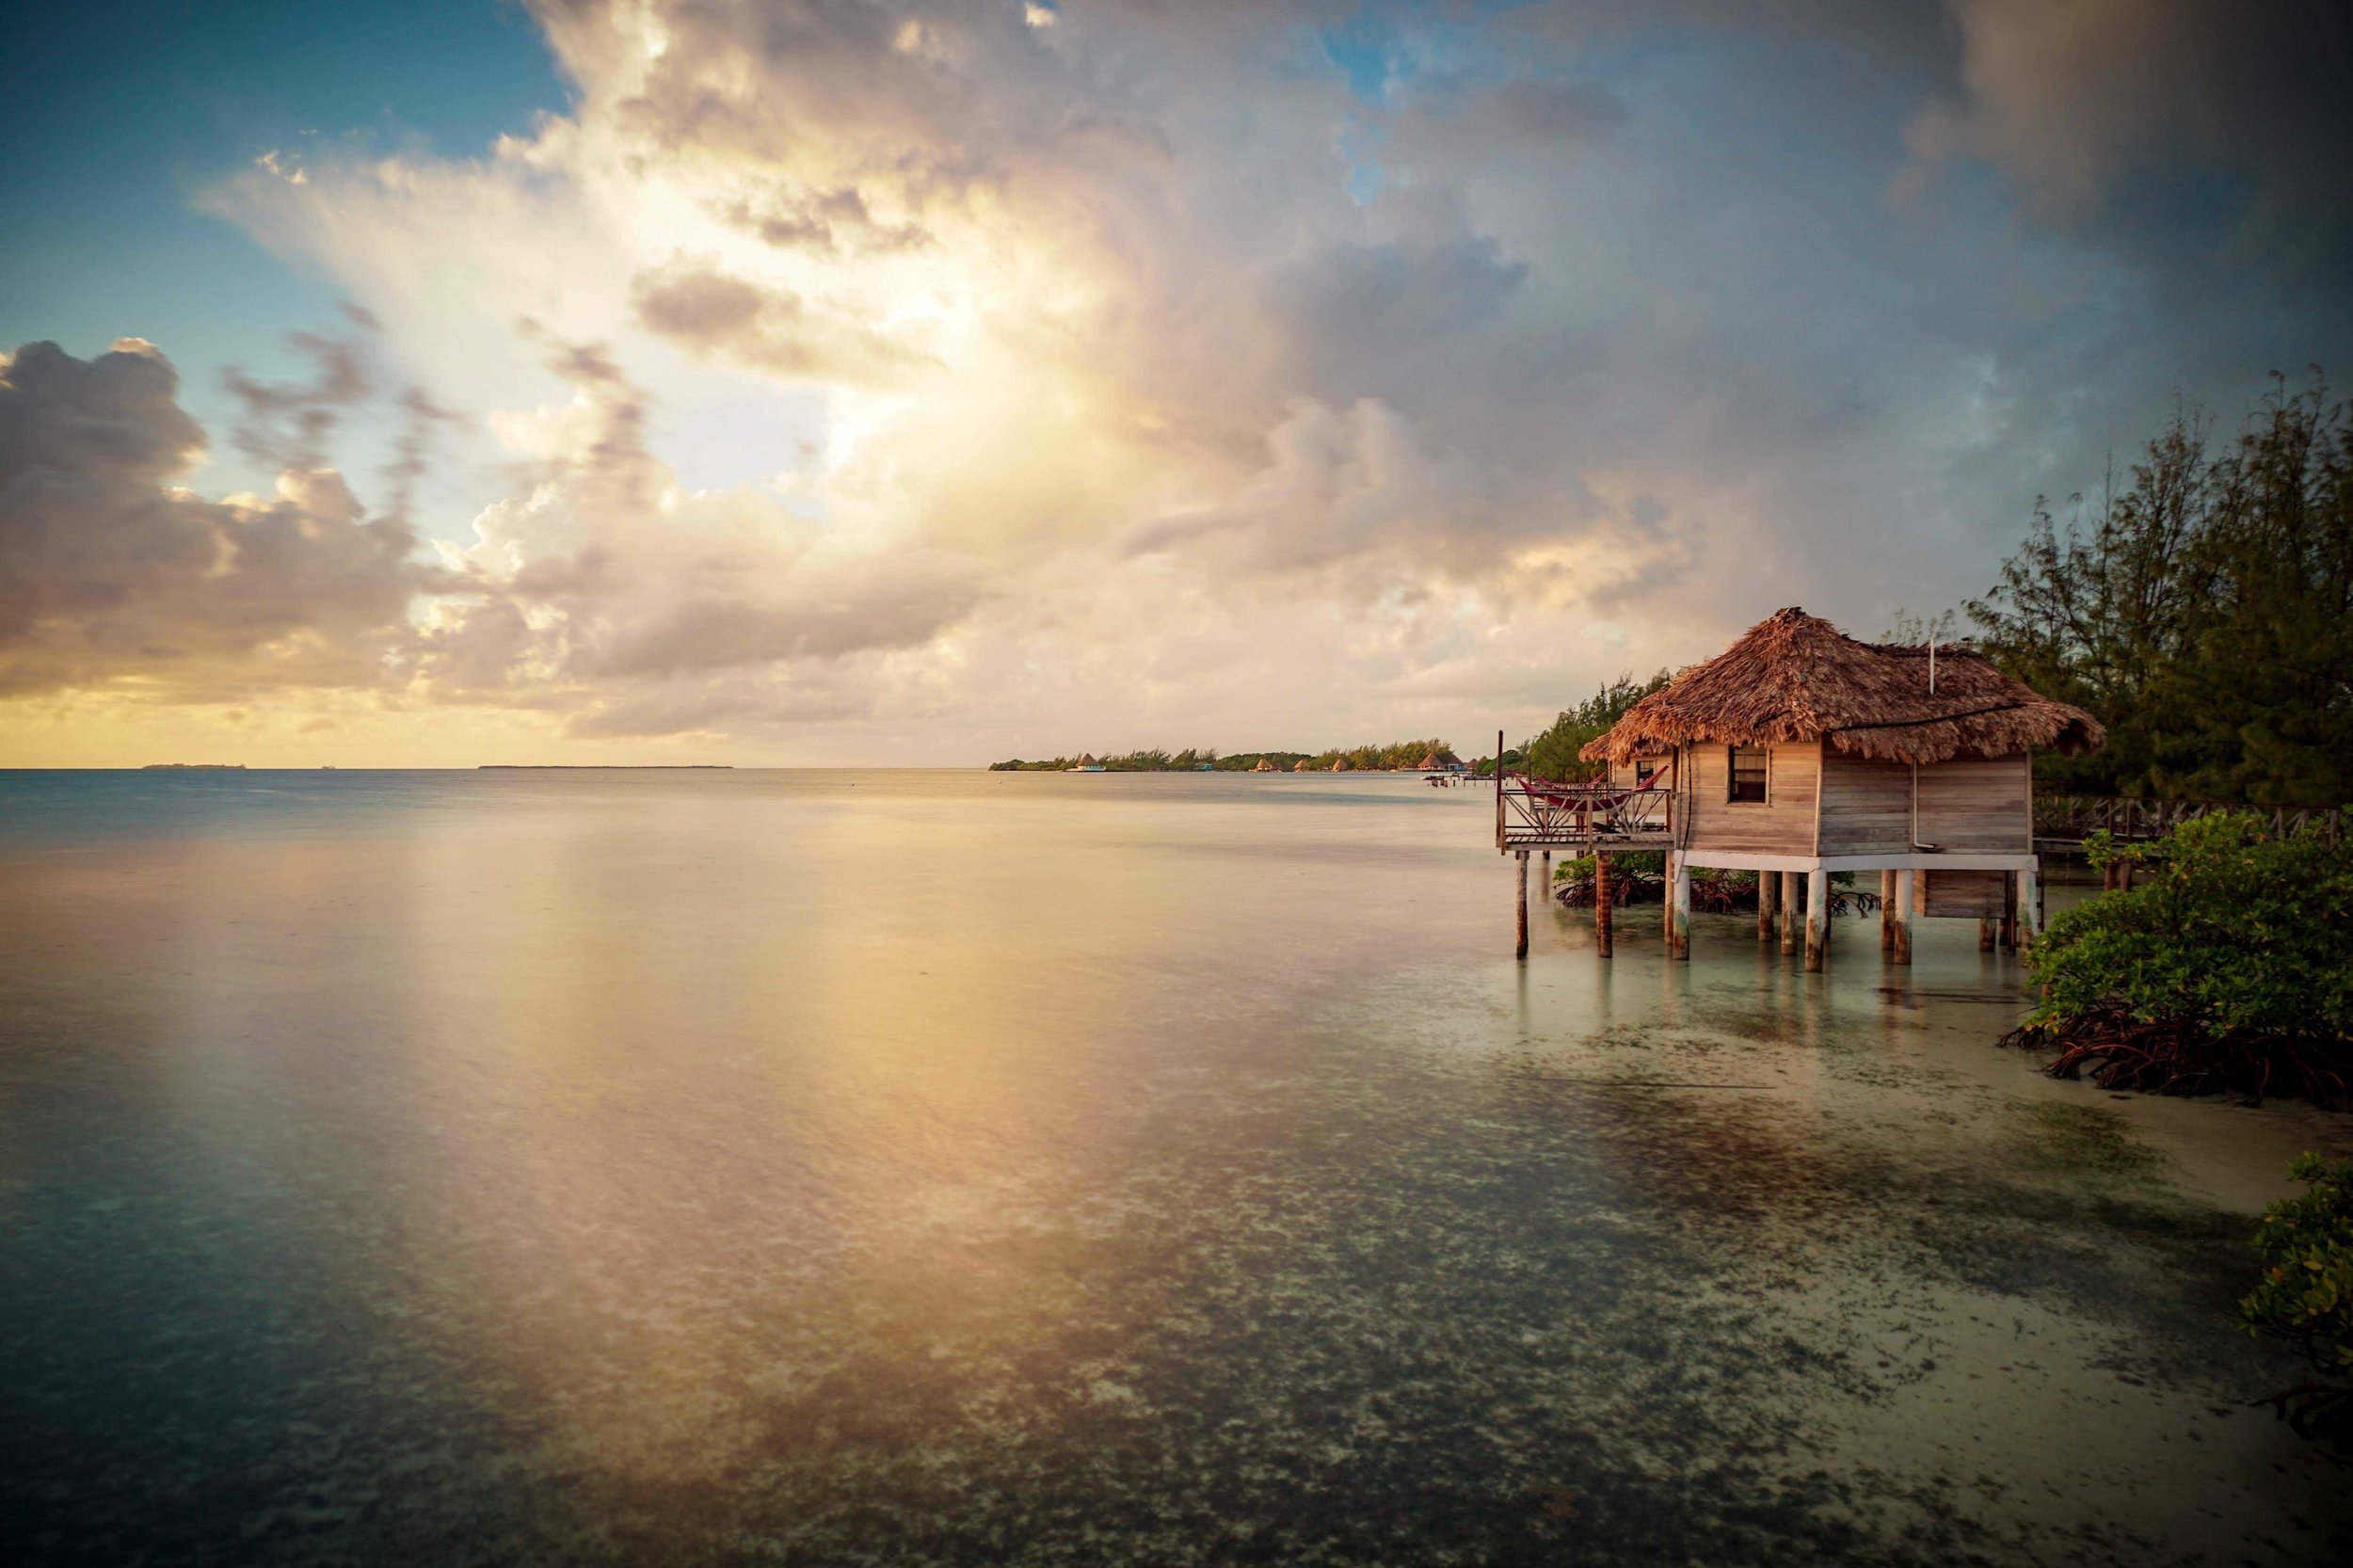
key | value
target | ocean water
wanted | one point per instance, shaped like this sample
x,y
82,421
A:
x,y
951,1167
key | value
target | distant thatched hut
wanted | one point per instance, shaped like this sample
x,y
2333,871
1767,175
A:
x,y
1801,751
1301,766
1339,764
1266,764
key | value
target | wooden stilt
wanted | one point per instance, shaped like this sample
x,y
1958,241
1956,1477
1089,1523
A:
x,y
2009,913
1767,884
1601,903
1887,911
1666,918
1817,919
1988,932
1520,855
2029,908
1788,912
1902,950
1544,879
1682,893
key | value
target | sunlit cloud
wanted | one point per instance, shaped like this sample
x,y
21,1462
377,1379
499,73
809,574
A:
x,y
1169,374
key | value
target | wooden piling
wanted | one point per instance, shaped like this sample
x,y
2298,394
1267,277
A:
x,y
1988,932
1887,911
1900,952
1788,912
1682,895
1817,919
1767,885
1601,903
2009,913
2029,908
1520,855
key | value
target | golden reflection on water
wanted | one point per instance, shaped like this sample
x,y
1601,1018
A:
x,y
823,1139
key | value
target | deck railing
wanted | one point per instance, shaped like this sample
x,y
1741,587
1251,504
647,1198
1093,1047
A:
x,y
2067,819
1543,813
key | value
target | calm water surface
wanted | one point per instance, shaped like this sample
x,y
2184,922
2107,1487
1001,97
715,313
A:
x,y
809,1167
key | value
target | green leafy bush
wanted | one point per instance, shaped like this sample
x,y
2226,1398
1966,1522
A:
x,y
2306,1295
2228,964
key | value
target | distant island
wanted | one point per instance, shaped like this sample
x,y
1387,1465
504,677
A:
x,y
598,767
193,767
1430,756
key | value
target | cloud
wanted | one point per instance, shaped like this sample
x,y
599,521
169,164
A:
x,y
2129,116
601,574
1142,364
110,572
694,304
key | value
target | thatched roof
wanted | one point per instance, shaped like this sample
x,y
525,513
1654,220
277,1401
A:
x,y
1795,676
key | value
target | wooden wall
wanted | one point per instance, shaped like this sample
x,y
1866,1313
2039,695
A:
x,y
1624,775
1783,825
1977,803
1964,895
1866,805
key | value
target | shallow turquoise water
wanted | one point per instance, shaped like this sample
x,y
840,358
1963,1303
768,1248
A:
x,y
957,1167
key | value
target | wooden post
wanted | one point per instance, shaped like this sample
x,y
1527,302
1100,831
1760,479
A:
x,y
1667,912
1601,903
1544,880
1520,855
1817,919
1887,911
1788,912
1988,932
1682,893
2009,912
1902,950
1498,784
2029,908
1766,885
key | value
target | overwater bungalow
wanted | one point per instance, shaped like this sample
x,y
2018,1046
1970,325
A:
x,y
1266,765
1086,764
1799,752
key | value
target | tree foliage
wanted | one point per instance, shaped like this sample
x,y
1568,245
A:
x,y
2203,612
2305,1294
2227,965
1393,754
1552,753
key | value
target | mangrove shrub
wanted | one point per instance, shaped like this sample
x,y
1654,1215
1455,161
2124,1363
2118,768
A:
x,y
2228,964
2306,1295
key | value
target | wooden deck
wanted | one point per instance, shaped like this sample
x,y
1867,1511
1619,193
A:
x,y
1544,814
2061,822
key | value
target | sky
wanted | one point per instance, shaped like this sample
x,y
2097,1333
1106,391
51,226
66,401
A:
x,y
830,382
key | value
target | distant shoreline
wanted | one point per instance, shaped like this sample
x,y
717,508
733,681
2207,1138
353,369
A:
x,y
602,767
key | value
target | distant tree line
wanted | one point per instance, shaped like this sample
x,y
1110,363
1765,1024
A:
x,y
1551,753
1395,755
2203,613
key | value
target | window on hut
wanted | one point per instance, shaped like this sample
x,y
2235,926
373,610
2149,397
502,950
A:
x,y
1747,774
